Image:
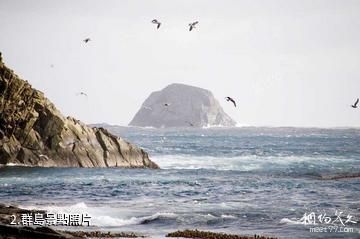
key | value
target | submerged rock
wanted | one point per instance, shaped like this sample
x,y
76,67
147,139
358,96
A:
x,y
34,133
179,105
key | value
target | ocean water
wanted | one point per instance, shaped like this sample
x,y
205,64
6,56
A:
x,y
234,180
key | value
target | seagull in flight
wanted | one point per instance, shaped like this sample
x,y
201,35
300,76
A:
x,y
82,93
86,40
355,104
157,23
231,99
192,25
191,124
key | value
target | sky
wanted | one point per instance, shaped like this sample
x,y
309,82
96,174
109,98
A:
x,y
285,62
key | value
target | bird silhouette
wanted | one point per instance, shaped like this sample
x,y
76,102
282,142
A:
x,y
355,104
231,99
86,40
192,25
82,93
157,23
191,124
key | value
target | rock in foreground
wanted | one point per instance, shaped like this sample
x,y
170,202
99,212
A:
x,y
12,232
180,105
34,133
8,231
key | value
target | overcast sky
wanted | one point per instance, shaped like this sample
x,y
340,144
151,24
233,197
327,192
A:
x,y
287,63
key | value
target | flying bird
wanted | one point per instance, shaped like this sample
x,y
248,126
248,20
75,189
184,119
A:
x,y
355,104
157,23
82,93
166,104
86,40
231,99
192,25
191,124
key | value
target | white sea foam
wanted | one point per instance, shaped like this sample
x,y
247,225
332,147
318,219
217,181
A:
x,y
17,165
100,216
290,222
241,163
210,216
107,221
240,125
227,216
146,127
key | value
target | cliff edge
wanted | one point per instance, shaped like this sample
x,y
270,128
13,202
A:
x,y
34,133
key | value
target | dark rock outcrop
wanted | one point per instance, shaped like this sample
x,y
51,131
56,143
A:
x,y
12,232
179,105
34,133
7,213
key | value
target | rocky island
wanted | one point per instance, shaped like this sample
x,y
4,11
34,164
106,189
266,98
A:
x,y
34,133
179,105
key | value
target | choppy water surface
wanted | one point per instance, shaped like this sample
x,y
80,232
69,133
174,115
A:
x,y
239,180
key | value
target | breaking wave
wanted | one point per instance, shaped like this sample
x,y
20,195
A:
x,y
107,221
100,216
247,163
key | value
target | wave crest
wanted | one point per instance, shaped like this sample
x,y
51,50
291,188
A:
x,y
107,221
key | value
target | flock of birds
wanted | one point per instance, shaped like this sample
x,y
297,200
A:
x,y
192,26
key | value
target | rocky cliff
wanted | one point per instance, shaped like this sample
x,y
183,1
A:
x,y
33,132
179,105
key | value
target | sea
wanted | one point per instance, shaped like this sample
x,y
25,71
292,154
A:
x,y
283,182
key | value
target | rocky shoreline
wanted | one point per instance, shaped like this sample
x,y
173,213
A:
x,y
8,231
212,235
33,132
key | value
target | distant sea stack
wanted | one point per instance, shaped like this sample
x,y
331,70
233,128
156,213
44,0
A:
x,y
179,105
34,133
